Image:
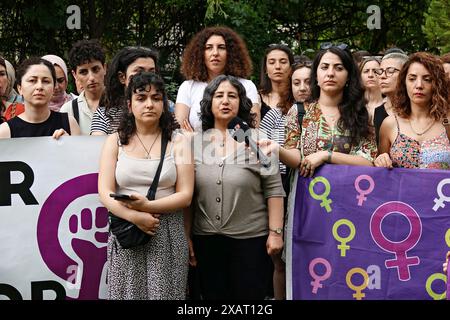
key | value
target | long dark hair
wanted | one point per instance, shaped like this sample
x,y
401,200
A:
x,y
265,84
167,122
115,90
245,104
354,115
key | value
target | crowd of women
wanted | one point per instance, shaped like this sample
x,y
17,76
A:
x,y
217,215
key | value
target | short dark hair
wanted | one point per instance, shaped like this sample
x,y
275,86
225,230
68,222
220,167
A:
x,y
26,64
245,104
85,51
167,122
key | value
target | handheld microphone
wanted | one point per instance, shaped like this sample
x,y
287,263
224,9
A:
x,y
242,132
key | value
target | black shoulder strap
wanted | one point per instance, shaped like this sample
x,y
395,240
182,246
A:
x,y
152,191
76,113
300,113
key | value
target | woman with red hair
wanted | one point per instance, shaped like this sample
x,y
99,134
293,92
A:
x,y
418,134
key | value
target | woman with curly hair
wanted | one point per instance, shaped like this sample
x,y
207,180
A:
x,y
158,269
211,52
335,125
418,134
238,207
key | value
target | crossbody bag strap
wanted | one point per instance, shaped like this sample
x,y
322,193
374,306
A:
x,y
152,191
300,114
76,113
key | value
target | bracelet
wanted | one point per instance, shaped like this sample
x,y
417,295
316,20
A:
x,y
330,152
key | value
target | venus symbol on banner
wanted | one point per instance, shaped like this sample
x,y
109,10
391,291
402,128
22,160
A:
x,y
402,262
363,193
358,289
317,279
439,202
343,246
324,196
430,280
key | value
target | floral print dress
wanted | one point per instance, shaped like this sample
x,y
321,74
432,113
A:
x,y
433,153
316,135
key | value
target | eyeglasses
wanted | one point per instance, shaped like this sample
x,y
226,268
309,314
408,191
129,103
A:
x,y
389,71
328,45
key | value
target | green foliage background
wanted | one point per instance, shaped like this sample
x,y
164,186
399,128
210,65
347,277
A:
x,y
39,27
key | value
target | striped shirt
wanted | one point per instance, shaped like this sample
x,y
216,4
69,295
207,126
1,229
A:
x,y
106,122
273,125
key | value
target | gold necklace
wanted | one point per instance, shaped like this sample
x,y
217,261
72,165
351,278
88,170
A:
x,y
143,146
424,131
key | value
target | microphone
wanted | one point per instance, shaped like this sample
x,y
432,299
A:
x,y
241,132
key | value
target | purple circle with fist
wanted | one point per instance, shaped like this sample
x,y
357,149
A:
x,y
87,221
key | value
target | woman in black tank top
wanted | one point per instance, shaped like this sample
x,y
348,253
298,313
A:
x,y
36,81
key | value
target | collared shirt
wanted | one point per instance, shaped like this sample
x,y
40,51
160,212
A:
x,y
84,111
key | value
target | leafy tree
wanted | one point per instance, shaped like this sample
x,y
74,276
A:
x,y
437,25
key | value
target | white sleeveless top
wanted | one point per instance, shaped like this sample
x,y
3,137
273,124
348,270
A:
x,y
135,175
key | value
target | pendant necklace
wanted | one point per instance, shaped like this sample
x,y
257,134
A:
x,y
143,146
424,131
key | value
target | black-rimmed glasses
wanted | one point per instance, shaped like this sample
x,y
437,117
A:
x,y
389,71
328,45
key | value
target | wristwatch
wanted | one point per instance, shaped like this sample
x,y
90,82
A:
x,y
277,230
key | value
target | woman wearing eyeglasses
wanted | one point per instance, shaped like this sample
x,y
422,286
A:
x,y
368,69
335,125
387,76
418,134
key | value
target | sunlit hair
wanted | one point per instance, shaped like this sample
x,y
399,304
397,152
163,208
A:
x,y
141,81
238,62
354,115
265,84
245,104
439,105
446,58
397,56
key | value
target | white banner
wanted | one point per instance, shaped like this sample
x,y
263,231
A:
x,y
53,229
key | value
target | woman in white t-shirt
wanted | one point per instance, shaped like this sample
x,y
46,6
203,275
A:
x,y
212,52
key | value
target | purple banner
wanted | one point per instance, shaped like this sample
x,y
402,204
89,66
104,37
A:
x,y
370,233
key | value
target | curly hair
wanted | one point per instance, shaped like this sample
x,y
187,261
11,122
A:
x,y
140,81
26,64
238,62
439,105
115,90
354,115
245,104
265,84
446,58
85,51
